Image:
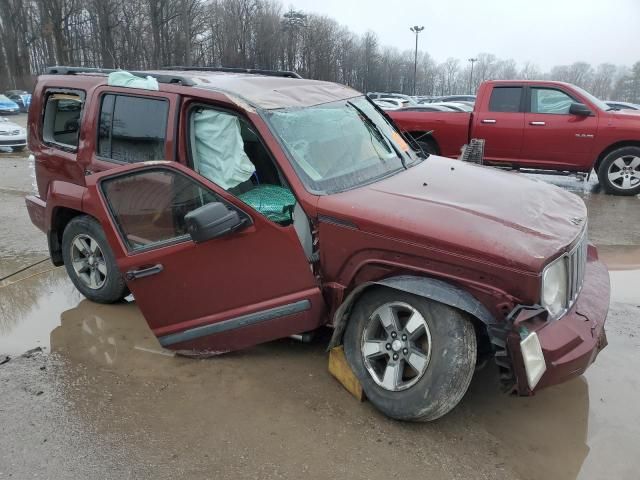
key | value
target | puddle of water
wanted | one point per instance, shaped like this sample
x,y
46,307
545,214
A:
x,y
624,271
30,309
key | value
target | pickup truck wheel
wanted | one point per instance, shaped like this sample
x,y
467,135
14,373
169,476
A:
x,y
414,357
90,263
619,172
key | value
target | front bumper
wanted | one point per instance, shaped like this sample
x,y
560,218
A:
x,y
572,343
13,140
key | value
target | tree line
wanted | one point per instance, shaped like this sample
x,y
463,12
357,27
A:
x,y
145,34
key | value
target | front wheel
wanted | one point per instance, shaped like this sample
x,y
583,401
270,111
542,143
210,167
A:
x,y
414,357
619,172
90,263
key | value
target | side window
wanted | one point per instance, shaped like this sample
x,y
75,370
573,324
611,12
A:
x,y
132,129
226,150
505,99
61,119
149,207
550,101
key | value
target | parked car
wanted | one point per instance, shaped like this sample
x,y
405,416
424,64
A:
x,y
21,98
378,95
391,103
239,208
548,126
622,105
8,106
455,106
426,108
448,98
12,136
457,98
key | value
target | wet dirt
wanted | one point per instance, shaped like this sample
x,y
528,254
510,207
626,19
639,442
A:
x,y
104,400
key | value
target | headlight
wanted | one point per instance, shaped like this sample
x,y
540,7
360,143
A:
x,y
554,287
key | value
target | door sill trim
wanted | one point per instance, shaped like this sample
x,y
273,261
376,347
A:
x,y
234,323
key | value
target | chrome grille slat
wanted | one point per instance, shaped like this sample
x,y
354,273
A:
x,y
576,266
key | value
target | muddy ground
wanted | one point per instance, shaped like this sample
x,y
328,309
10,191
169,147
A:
x,y
102,400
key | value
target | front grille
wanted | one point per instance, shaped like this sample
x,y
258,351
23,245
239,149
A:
x,y
576,266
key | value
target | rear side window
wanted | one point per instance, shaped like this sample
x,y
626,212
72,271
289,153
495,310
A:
x,y
132,129
61,119
505,99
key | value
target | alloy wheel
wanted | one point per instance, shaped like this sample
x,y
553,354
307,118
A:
x,y
396,346
624,172
88,261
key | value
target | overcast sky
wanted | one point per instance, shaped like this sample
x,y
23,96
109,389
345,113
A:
x,y
546,32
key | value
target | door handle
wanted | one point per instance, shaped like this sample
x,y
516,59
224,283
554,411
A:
x,y
488,120
144,272
538,124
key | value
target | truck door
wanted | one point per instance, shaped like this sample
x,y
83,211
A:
x,y
553,137
249,285
500,122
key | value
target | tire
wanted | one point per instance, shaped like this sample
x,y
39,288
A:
x,y
95,273
619,172
450,354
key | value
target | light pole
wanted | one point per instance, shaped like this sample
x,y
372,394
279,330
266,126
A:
x,y
415,29
472,60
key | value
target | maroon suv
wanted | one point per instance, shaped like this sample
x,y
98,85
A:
x,y
240,206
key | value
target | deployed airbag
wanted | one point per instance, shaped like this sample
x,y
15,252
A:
x,y
122,78
274,202
219,149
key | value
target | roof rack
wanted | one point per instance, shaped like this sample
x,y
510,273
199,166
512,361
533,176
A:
x,y
256,71
160,77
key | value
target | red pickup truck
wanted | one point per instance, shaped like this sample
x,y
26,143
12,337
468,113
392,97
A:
x,y
538,125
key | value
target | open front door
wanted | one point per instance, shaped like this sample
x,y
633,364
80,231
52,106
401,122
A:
x,y
250,285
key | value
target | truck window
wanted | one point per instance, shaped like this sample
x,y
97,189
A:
x,y
550,101
132,129
505,99
61,120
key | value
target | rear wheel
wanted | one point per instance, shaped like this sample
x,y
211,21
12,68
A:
x,y
414,357
619,172
90,262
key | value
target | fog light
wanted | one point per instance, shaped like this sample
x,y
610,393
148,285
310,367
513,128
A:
x,y
533,357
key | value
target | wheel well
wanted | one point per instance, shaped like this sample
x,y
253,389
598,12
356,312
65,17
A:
x,y
426,137
611,148
431,288
61,218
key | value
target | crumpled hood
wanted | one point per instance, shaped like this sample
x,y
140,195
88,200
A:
x,y
481,212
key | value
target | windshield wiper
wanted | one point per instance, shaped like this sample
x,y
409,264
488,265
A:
x,y
375,128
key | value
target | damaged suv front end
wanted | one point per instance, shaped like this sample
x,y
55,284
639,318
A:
x,y
558,339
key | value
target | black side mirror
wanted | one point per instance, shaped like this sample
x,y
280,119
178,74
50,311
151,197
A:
x,y
211,221
579,109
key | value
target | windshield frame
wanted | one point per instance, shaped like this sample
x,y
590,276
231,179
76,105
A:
x,y
406,159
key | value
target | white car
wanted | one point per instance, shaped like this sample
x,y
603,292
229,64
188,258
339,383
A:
x,y
391,103
12,136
